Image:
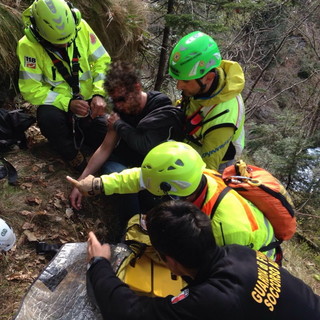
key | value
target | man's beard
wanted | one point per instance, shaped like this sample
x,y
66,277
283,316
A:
x,y
133,110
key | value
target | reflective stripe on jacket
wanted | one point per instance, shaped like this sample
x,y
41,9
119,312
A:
x,y
225,108
236,220
41,83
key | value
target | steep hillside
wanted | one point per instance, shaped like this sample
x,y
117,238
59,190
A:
x,y
38,210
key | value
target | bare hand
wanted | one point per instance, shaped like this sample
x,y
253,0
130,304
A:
x,y
76,199
112,118
95,249
79,107
98,106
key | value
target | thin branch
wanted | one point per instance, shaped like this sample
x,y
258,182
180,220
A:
x,y
288,88
277,49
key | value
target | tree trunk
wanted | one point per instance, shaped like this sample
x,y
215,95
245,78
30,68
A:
x,y
164,51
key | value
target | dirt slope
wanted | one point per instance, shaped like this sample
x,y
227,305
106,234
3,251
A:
x,y
38,210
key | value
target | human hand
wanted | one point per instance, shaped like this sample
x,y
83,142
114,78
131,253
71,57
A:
x,y
96,249
79,107
89,186
112,118
98,106
75,198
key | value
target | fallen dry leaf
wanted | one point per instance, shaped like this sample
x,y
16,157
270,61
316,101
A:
x,y
69,213
30,235
61,195
57,203
54,236
58,219
41,212
22,256
26,185
28,226
32,201
21,240
35,168
20,276
26,213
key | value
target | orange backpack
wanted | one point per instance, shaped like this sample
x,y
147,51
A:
x,y
266,193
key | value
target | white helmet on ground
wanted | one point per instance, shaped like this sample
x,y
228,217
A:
x,y
7,236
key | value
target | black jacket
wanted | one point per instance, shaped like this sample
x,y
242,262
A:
x,y
158,122
236,284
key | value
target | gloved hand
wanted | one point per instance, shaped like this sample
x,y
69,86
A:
x,y
89,186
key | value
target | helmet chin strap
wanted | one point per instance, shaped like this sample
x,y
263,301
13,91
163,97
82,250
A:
x,y
201,85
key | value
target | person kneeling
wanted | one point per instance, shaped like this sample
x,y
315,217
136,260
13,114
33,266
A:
x,y
231,282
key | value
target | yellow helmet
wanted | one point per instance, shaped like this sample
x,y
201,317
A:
x,y
173,168
54,20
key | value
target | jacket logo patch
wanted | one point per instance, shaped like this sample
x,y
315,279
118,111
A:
x,y
180,297
93,38
30,62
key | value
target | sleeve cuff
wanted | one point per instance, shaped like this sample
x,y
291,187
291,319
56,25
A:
x,y
94,260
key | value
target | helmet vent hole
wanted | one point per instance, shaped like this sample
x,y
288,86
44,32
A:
x,y
180,163
171,168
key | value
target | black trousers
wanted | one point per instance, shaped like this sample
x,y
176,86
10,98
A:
x,y
68,134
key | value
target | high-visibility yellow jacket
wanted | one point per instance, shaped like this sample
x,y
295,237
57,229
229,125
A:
x,y
236,220
41,83
220,136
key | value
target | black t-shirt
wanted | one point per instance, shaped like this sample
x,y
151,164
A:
x,y
159,121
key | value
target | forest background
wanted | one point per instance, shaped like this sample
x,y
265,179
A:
x,y
277,44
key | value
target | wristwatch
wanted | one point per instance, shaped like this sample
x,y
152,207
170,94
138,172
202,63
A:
x,y
93,261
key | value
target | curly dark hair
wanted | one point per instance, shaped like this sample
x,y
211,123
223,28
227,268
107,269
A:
x,y
121,74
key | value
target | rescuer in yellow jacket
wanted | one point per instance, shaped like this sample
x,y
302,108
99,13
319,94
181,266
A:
x,y
175,170
211,99
62,68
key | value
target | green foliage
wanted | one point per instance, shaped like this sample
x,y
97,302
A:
x,y
185,23
120,25
244,5
283,148
281,139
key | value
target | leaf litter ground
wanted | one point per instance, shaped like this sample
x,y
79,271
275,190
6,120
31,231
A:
x,y
38,209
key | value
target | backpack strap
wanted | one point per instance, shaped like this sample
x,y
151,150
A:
x,y
73,78
271,245
138,248
219,199
193,125
46,248
8,170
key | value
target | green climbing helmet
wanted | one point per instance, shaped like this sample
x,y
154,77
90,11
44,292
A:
x,y
54,20
194,56
173,168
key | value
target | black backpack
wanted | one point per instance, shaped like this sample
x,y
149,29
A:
x,y
12,127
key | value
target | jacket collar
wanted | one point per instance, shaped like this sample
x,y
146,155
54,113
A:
x,y
207,267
